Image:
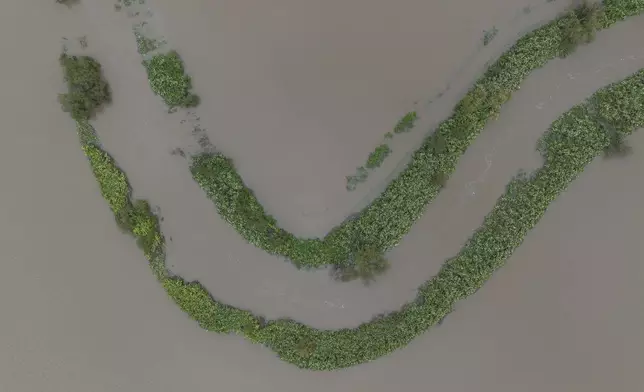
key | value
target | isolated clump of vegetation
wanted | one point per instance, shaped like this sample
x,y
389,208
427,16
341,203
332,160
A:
x,y
406,123
579,26
378,156
168,79
367,264
571,142
145,45
617,146
68,3
359,177
489,35
87,90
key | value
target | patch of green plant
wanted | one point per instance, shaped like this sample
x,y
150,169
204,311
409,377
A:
x,y
384,222
145,45
378,156
489,35
579,26
168,80
406,123
68,3
368,263
352,181
87,90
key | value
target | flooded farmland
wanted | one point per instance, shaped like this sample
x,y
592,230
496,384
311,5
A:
x,y
298,93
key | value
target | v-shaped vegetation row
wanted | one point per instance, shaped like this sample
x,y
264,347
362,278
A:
x,y
382,224
572,141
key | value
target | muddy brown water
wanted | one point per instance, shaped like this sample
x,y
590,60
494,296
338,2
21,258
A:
x,y
81,311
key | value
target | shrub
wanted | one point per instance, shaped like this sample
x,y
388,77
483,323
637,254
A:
x,y
168,80
359,177
406,123
87,90
579,26
378,156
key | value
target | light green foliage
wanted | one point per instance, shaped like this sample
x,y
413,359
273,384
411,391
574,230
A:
x,y
406,123
111,180
168,80
68,3
384,222
378,156
87,91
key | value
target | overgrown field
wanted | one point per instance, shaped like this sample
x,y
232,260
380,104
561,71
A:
x,y
383,223
573,140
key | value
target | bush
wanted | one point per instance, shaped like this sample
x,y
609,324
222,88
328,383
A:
x,y
384,222
87,90
406,123
359,177
68,3
168,80
378,156
579,26
367,264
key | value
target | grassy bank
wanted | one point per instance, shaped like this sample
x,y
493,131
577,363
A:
x,y
573,140
383,223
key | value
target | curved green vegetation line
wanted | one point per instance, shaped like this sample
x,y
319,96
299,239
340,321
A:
x,y
572,141
381,225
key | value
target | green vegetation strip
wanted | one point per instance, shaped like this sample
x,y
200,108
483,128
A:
x,y
168,79
573,140
381,225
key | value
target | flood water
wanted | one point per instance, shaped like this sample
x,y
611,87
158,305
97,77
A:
x,y
81,310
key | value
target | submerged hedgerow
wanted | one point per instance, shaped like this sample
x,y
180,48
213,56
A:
x,y
384,222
